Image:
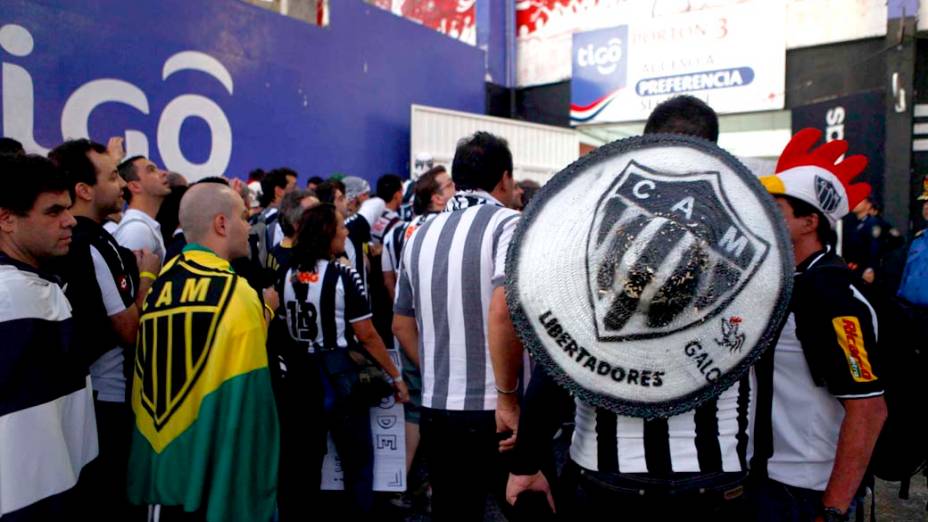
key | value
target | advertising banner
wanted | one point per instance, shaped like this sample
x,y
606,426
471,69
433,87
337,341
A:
x,y
861,120
734,59
455,18
220,87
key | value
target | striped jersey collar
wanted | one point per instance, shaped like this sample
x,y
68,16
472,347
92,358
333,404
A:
x,y
206,257
470,198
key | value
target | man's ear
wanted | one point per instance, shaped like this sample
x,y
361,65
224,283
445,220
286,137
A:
x,y
812,222
134,187
83,191
220,225
7,220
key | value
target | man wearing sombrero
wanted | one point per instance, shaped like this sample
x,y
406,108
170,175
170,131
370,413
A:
x,y
820,397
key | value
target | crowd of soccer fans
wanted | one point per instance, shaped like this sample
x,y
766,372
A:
x,y
182,351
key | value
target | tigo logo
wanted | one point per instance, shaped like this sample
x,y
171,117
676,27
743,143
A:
x,y
599,70
606,58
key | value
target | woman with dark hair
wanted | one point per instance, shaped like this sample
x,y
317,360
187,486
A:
x,y
326,309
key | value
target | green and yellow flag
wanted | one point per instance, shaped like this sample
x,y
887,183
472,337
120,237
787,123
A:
x,y
206,429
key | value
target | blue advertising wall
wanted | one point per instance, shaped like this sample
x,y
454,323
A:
x,y
212,87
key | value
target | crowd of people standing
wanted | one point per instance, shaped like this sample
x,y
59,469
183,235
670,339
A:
x,y
178,351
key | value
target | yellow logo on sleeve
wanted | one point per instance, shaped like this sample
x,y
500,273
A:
x,y
852,342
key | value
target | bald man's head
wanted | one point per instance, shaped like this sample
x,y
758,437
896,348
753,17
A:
x,y
212,214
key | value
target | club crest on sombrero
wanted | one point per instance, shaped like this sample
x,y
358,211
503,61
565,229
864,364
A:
x,y
649,275
665,252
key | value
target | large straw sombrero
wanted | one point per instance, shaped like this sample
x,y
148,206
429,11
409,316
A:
x,y
650,274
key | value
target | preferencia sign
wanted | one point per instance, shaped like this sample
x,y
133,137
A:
x,y
731,57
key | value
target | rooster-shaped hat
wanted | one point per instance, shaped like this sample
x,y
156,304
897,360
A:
x,y
816,177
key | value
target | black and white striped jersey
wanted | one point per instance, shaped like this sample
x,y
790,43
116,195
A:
x,y
715,437
394,240
320,305
382,226
357,246
449,269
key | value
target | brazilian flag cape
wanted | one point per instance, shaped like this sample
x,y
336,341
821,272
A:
x,y
206,429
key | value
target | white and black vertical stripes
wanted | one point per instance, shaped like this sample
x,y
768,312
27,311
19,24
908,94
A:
x,y
319,306
394,241
449,269
715,437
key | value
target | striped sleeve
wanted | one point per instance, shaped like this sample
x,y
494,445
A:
x,y
404,303
502,236
357,307
387,263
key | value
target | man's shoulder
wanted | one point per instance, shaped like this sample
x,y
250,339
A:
x,y
831,273
506,214
26,295
86,230
132,228
280,250
183,285
492,216
358,227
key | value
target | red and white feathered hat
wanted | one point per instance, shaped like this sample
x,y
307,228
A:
x,y
816,177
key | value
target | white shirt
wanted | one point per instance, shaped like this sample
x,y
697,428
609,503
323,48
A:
x,y
807,419
106,373
372,208
138,231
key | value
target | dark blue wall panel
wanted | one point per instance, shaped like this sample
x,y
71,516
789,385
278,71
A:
x,y
322,100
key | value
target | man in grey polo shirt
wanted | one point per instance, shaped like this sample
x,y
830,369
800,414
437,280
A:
x,y
450,278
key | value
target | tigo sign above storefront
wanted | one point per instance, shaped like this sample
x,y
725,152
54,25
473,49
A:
x,y
600,68
733,58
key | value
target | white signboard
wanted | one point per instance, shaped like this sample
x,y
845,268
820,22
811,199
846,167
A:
x,y
388,434
731,58
818,22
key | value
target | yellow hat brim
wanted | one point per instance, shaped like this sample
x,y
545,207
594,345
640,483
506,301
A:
x,y
773,184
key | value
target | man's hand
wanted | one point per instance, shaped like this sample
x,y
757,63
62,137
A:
x,y
271,299
115,149
147,261
402,391
520,483
507,419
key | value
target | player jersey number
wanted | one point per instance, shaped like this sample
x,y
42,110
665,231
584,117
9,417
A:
x,y
302,317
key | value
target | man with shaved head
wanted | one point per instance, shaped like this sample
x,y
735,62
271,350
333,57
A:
x,y
205,443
